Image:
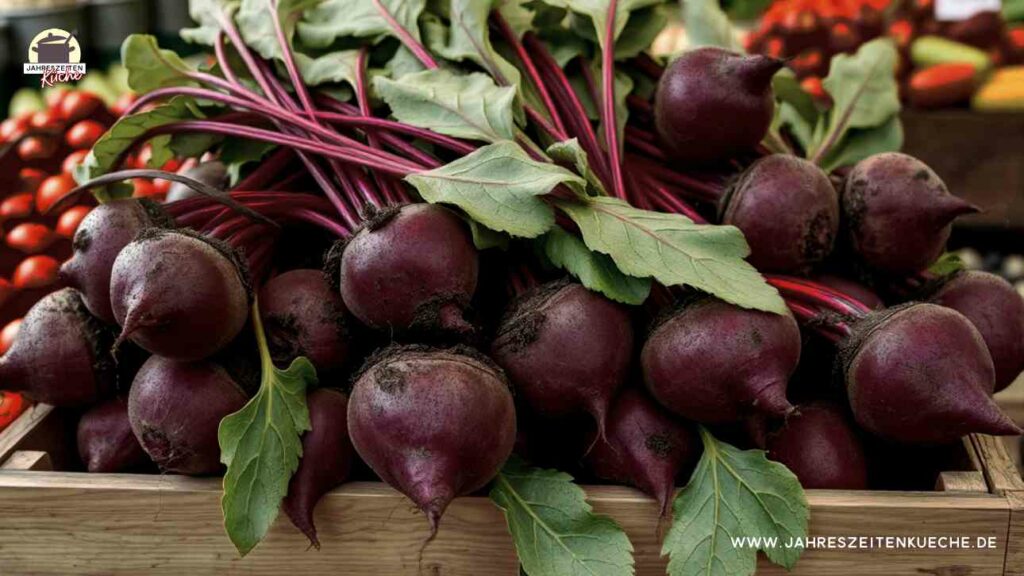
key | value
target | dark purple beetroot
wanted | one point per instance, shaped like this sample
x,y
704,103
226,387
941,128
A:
x,y
921,374
819,443
179,295
898,213
213,173
61,355
788,210
175,409
411,269
567,350
101,236
851,288
997,311
644,446
326,458
106,442
304,316
712,104
715,363
432,423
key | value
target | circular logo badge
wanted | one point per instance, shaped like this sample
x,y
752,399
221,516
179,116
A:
x,y
54,46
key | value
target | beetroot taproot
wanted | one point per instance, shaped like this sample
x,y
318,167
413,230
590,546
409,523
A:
x,y
411,269
712,103
304,316
644,446
106,442
175,409
921,374
997,311
326,458
819,443
712,362
433,423
179,295
898,213
101,236
788,210
61,355
566,350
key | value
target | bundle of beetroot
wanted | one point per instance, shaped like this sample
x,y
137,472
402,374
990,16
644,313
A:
x,y
533,239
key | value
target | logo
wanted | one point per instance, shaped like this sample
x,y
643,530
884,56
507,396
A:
x,y
55,55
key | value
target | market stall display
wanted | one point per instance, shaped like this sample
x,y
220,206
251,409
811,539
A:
x,y
506,262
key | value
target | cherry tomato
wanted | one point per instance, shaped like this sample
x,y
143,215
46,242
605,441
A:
x,y
53,189
36,148
172,165
30,237
17,206
80,105
29,179
73,159
144,156
12,405
6,291
7,336
123,104
84,134
55,97
36,272
46,120
13,128
68,222
162,187
144,189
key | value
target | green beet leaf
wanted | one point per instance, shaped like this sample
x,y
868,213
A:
x,y
594,270
734,494
255,22
469,106
331,68
570,153
469,39
641,30
498,186
553,527
207,14
600,11
674,251
261,446
859,143
151,67
708,25
333,19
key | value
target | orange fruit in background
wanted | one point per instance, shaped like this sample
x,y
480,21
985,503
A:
x,y
11,406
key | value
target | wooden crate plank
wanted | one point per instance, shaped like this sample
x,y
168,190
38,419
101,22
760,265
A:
x,y
127,524
1015,537
36,460
45,428
1000,471
961,482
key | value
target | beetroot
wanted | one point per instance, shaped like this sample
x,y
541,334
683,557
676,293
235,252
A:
x,y
410,269
898,213
175,409
713,362
101,236
920,373
852,289
326,458
179,295
788,210
566,350
997,311
61,355
432,423
819,444
644,447
106,442
304,316
712,103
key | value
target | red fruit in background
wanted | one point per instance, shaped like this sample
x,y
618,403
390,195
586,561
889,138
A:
x,y
123,103
55,97
84,134
17,206
11,406
70,219
144,189
13,128
46,120
812,85
942,85
8,334
80,105
36,272
30,237
29,179
73,159
6,291
36,148
53,189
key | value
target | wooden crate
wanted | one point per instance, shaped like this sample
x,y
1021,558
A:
x,y
63,523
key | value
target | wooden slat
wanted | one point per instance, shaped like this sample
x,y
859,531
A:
x,y
36,460
1015,536
961,482
44,428
1000,471
127,524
